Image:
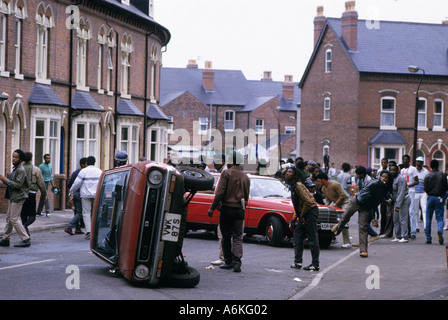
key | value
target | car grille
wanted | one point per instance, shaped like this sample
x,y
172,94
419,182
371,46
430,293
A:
x,y
327,215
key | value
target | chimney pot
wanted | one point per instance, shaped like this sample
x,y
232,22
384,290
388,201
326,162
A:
x,y
192,64
319,22
208,77
288,88
350,25
267,76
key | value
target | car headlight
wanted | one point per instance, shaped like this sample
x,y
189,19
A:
x,y
141,271
155,177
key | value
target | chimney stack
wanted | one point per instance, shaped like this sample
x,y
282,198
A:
x,y
288,88
350,25
319,22
192,64
208,77
267,76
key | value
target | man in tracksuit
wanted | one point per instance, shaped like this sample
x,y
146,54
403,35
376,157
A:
x,y
362,202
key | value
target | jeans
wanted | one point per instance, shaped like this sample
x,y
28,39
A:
x,y
307,230
28,214
76,220
42,201
434,203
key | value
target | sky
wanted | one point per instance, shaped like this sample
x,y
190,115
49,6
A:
x,y
267,35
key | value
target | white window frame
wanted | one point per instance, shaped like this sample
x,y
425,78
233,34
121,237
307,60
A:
x,y
52,118
328,60
157,149
83,34
131,143
376,161
327,109
203,125
229,123
394,112
109,58
3,44
440,115
153,73
2,143
91,139
20,14
126,50
423,113
44,22
290,130
259,126
441,159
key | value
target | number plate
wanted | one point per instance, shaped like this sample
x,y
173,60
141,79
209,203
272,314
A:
x,y
171,226
327,226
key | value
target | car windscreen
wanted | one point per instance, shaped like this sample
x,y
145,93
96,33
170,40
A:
x,y
268,188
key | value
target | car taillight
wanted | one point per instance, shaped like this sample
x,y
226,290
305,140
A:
x,y
172,183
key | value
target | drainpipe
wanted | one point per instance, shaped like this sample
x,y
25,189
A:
x,y
145,118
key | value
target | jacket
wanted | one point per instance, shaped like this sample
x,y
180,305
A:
x,y
400,191
87,182
302,200
435,183
35,179
233,185
372,195
18,185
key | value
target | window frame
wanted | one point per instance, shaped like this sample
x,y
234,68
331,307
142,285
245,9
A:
x,y
423,114
383,112
441,114
259,127
232,121
328,61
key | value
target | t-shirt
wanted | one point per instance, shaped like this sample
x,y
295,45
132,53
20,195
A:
x,y
419,188
409,174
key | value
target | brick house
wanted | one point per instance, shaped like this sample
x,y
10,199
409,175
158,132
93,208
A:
x,y
79,80
224,100
358,96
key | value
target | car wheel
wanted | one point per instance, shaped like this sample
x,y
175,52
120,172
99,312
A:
x,y
189,279
196,179
324,242
274,231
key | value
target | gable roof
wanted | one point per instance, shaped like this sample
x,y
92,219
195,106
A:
x,y
231,88
393,47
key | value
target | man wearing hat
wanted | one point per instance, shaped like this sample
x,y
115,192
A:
x,y
232,192
420,196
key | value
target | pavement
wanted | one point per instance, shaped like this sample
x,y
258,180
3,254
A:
x,y
57,220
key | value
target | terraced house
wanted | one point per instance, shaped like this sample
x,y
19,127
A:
x,y
79,78
203,100
359,94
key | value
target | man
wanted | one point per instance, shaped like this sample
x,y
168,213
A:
x,y
305,220
365,200
410,174
77,203
232,192
386,211
36,182
334,193
420,197
17,191
435,185
47,173
326,161
332,172
344,178
401,202
87,181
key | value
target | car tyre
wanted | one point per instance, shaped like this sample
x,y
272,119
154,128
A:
x,y
274,231
196,179
189,279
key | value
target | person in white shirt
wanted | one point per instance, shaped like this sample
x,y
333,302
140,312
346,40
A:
x,y
87,181
410,175
420,196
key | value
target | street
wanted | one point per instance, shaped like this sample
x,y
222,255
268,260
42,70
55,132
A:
x,y
61,267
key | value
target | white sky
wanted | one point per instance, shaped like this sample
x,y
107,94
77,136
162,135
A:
x,y
266,35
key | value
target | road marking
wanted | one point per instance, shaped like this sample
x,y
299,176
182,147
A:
x,y
26,264
319,277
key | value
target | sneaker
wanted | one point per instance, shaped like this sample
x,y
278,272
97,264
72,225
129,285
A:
x,y
23,244
48,215
87,236
311,268
4,243
69,231
78,231
237,267
363,254
395,240
382,236
217,262
347,246
296,266
440,234
226,266
403,240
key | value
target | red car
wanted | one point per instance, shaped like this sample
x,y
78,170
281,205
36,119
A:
x,y
268,212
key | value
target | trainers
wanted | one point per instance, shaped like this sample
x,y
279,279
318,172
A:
x,y
395,240
78,231
347,246
311,268
69,231
237,267
403,240
87,236
4,243
296,266
217,262
440,237
23,244
226,266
